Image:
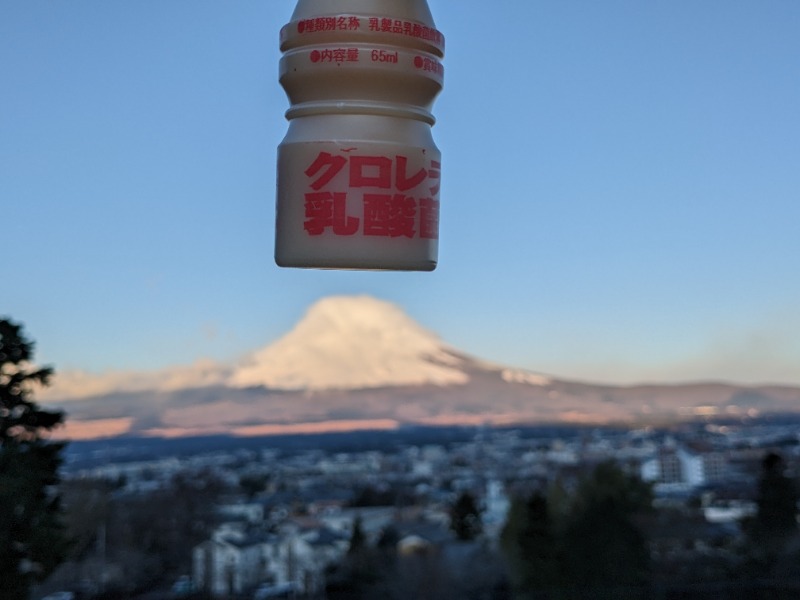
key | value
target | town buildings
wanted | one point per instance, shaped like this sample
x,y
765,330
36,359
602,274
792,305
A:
x,y
288,533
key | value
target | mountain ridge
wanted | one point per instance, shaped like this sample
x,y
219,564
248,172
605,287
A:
x,y
361,363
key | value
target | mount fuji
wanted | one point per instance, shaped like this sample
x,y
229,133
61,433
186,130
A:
x,y
350,343
361,363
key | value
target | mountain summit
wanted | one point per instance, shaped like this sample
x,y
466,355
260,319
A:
x,y
352,342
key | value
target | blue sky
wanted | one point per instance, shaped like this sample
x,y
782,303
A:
x,y
620,192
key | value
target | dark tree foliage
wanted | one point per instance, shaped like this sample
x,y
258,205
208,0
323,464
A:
x,y
152,535
529,544
589,547
362,569
33,541
776,518
604,548
389,539
453,571
465,517
252,485
86,510
384,496
358,541
773,546
608,482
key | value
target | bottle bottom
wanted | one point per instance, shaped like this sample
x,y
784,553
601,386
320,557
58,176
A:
x,y
353,263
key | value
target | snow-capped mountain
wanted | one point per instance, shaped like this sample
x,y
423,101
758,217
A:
x,y
359,362
348,343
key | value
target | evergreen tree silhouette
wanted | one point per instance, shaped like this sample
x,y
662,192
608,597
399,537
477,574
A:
x,y
776,519
530,545
465,517
32,536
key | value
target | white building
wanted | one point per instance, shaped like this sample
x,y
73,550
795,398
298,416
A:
x,y
235,563
674,469
232,565
496,505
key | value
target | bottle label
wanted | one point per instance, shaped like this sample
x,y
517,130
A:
x,y
372,190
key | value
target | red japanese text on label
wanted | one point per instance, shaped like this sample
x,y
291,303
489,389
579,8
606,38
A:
x,y
334,55
429,64
371,24
344,23
407,28
398,209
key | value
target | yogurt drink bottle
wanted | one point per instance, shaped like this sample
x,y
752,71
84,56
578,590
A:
x,y
358,171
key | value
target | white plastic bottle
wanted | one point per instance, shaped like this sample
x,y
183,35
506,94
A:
x,y
358,171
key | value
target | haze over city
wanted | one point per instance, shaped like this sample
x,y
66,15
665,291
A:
x,y
619,187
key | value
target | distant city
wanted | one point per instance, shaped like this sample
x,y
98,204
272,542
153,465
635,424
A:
x,y
226,517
